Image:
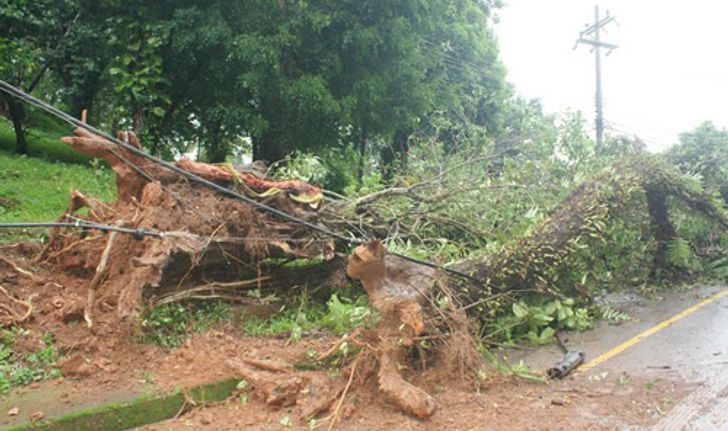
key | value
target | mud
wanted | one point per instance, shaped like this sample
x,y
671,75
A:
x,y
500,404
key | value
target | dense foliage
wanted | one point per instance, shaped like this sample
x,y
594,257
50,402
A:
x,y
224,76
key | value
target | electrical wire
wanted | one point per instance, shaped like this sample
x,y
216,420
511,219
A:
x,y
137,233
21,95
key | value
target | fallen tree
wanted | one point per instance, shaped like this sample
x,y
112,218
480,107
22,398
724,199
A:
x,y
212,246
529,263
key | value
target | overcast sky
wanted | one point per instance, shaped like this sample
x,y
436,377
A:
x,y
669,74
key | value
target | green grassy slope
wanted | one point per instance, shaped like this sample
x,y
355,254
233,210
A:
x,y
43,140
37,190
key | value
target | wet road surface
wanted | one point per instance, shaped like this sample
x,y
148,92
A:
x,y
686,339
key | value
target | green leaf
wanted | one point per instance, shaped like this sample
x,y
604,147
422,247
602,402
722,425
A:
x,y
520,310
159,112
547,333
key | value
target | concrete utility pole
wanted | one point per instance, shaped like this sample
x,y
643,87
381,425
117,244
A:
x,y
593,31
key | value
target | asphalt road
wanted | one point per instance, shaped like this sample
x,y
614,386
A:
x,y
680,336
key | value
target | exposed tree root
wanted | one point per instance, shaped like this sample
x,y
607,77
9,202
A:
x,y
100,271
211,242
18,269
9,313
405,295
335,415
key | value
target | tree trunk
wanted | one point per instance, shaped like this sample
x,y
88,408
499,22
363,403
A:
x,y
662,229
16,115
216,148
395,154
527,264
362,148
266,150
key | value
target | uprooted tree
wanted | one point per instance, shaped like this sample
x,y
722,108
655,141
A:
x,y
212,246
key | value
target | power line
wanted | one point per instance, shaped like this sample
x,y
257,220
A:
x,y
137,233
20,94
649,138
455,60
449,52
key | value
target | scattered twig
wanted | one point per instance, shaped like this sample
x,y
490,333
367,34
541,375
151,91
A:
x,y
187,404
268,365
335,415
187,292
346,338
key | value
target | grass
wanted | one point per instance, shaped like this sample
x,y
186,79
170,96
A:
x,y
21,369
36,190
168,325
43,138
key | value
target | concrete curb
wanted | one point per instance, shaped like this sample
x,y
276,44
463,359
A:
x,y
137,412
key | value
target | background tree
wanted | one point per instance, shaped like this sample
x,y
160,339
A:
x,y
704,152
329,77
31,32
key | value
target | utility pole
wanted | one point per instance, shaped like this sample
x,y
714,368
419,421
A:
x,y
591,36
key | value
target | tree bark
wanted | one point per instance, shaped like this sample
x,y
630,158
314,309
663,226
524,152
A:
x,y
16,116
395,153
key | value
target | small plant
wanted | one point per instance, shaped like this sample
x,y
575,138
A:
x,y
286,421
537,324
520,369
169,324
341,315
681,256
610,314
344,315
18,370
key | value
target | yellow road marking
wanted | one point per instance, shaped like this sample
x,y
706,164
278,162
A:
x,y
660,326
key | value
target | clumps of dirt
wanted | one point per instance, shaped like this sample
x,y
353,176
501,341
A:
x,y
500,404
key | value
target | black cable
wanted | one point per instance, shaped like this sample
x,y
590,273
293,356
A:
x,y
20,94
137,233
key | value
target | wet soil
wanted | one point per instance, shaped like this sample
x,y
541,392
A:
x,y
579,403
